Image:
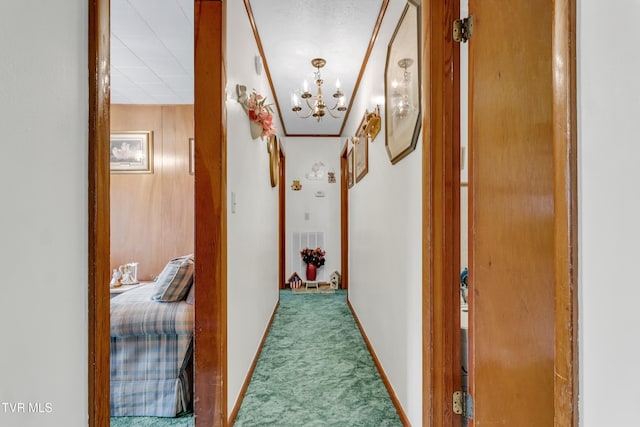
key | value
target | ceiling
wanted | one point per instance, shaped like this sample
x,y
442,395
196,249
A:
x,y
152,51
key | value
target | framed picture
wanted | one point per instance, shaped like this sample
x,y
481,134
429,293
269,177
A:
x,y
131,152
192,156
361,156
402,86
350,180
273,146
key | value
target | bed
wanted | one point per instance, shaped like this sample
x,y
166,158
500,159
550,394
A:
x,y
151,349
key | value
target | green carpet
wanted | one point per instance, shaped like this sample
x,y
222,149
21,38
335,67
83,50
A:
x,y
315,370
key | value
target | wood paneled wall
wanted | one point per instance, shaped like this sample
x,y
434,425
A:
x,y
152,215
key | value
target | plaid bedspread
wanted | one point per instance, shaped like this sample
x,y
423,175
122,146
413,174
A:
x,y
134,313
151,350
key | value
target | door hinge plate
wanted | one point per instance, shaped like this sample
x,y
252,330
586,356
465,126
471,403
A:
x,y
458,404
462,29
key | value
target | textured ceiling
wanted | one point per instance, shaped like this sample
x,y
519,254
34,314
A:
x,y
152,51
293,32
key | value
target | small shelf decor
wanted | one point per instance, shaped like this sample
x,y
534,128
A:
x,y
260,113
314,259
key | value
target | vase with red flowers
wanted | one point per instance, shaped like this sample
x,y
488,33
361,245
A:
x,y
314,259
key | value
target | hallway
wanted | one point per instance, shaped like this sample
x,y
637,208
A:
x,y
315,369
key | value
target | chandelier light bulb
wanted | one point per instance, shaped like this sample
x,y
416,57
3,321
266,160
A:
x,y
338,84
295,102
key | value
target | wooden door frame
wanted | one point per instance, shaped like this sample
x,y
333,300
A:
x,y
210,337
344,216
565,212
210,340
282,220
99,218
440,173
440,154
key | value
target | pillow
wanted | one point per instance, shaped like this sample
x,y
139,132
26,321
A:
x,y
176,278
191,297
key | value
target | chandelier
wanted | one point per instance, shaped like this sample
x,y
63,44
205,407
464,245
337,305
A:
x,y
315,103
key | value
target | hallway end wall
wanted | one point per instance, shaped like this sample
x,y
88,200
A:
x,y
306,211
253,221
385,242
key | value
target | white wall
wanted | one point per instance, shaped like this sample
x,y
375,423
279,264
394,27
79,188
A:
x,y
323,213
43,220
609,149
385,220
253,227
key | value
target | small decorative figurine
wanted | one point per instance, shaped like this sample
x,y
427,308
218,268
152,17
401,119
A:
x,y
115,279
335,280
295,281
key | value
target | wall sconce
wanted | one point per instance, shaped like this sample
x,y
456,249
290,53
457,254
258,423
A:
x,y
372,123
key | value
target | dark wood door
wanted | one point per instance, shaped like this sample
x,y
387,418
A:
x,y
511,213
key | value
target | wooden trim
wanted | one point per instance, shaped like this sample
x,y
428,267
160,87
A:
x,y
210,349
252,368
441,213
565,213
383,375
344,218
282,222
99,207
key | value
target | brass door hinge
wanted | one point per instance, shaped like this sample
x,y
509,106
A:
x,y
462,29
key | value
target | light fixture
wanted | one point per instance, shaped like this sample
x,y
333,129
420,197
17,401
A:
x,y
401,96
315,103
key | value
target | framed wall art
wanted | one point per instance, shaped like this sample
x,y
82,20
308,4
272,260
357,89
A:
x,y
402,86
131,152
273,146
361,156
